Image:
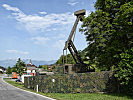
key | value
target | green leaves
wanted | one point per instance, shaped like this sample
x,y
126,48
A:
x,y
9,71
97,33
19,67
124,71
109,32
70,59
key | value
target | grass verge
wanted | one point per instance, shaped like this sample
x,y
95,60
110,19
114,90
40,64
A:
x,y
77,96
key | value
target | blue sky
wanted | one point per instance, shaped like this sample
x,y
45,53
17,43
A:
x,y
38,29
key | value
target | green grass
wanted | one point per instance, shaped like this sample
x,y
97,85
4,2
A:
x,y
78,96
7,78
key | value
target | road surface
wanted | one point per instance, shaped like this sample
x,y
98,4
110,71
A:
x,y
8,92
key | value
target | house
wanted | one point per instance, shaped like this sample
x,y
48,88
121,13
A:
x,y
30,69
2,69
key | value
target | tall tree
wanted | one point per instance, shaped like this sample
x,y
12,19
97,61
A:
x,y
9,71
19,66
109,32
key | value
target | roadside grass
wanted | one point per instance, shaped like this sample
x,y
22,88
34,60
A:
x,y
7,78
77,96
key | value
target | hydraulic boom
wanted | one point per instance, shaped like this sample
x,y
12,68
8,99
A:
x,y
69,44
79,66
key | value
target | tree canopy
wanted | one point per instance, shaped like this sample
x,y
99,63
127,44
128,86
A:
x,y
109,31
70,59
19,67
45,67
9,71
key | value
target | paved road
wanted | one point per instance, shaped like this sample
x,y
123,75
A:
x,y
8,92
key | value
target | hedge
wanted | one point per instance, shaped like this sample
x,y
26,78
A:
x,y
78,83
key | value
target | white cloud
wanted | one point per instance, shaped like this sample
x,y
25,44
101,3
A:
x,y
43,12
73,3
59,36
53,29
87,13
17,52
8,7
39,40
34,23
59,44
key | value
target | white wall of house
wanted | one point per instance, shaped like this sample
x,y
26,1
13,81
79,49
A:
x,y
1,70
28,71
22,77
33,71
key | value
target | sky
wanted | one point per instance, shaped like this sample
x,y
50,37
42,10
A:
x,y
38,29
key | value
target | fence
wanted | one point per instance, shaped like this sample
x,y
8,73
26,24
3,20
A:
x,y
80,83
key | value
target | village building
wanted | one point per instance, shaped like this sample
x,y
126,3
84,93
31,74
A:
x,y
2,69
30,69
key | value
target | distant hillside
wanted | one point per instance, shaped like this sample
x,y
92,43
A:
x,y
12,62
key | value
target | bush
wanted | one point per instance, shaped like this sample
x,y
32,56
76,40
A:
x,y
124,71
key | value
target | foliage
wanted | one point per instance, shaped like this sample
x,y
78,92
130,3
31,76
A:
x,y
70,59
19,67
14,69
109,32
9,71
124,72
45,67
53,67
40,66
58,69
